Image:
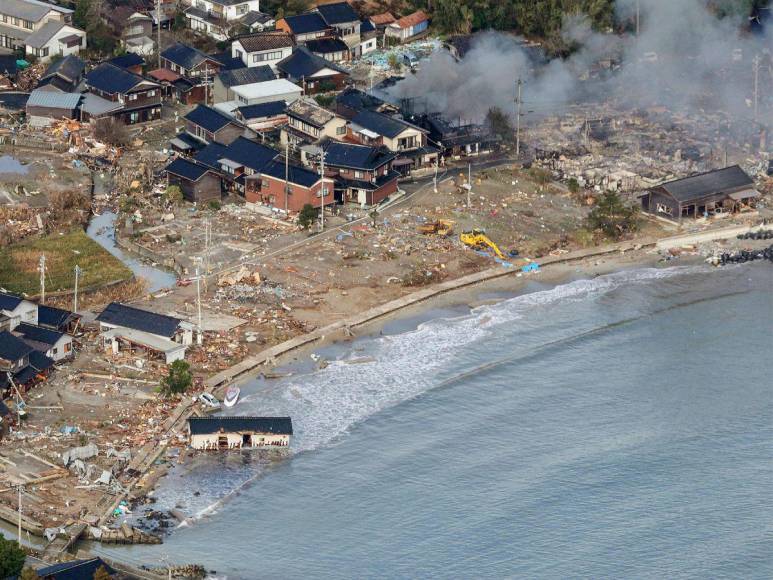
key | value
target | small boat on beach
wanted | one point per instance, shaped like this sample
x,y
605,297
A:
x,y
231,396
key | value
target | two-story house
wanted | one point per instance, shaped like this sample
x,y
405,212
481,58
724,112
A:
x,y
63,75
218,18
308,122
304,27
39,29
287,187
18,309
137,34
14,353
343,20
314,73
363,174
406,139
265,92
235,162
262,48
209,125
228,79
139,98
195,72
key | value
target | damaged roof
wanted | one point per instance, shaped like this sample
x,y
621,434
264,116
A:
x,y
716,182
207,425
382,124
311,112
117,314
69,68
326,45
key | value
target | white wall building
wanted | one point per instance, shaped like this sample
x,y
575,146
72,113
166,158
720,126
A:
x,y
223,433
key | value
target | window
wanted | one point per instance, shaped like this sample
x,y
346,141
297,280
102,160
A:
x,y
358,175
67,347
27,24
152,93
55,351
134,117
131,97
341,130
243,9
237,53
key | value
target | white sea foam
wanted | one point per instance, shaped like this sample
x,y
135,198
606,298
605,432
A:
x,y
328,403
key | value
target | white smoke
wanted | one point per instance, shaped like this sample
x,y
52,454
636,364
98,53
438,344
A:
x,y
684,56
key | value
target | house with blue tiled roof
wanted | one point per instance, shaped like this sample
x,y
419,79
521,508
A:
x,y
137,99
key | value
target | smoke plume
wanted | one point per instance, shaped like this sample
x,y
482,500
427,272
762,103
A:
x,y
684,57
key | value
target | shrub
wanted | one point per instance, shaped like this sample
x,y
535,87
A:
x,y
173,195
11,558
573,185
613,217
178,379
214,204
307,216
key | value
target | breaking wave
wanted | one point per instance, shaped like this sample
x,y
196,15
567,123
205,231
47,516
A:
x,y
326,404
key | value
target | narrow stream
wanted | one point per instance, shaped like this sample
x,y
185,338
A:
x,y
102,230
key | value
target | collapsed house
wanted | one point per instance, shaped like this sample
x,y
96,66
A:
x,y
21,365
725,190
461,140
221,433
134,329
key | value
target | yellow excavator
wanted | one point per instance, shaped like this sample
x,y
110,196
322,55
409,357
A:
x,y
478,240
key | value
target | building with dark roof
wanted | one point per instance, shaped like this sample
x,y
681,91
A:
x,y
63,75
397,135
141,330
312,72
209,125
262,48
351,101
197,182
138,97
14,353
458,140
18,309
264,116
719,191
221,433
116,314
331,49
129,61
304,27
363,173
271,184
54,344
196,71
74,570
238,77
58,319
256,21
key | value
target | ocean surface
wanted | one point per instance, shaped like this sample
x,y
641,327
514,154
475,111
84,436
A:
x,y
614,427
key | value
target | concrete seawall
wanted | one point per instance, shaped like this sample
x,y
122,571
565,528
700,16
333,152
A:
x,y
250,363
705,236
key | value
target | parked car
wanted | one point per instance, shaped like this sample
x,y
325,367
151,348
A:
x,y
209,401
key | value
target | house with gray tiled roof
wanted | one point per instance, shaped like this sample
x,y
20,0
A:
x,y
39,29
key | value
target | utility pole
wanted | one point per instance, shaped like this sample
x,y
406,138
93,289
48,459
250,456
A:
x,y
287,177
434,179
469,183
42,269
638,11
206,84
158,31
322,172
20,515
756,85
199,337
518,120
77,277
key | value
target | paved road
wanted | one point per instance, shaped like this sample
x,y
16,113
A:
x,y
415,190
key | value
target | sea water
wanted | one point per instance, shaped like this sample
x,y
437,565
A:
x,y
614,427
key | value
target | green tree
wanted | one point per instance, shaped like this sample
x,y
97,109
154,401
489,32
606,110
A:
x,y
393,61
11,558
178,379
307,216
613,217
173,195
573,185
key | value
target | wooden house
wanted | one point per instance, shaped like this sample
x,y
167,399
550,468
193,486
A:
x,y
223,433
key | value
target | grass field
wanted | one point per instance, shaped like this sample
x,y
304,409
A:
x,y
19,264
